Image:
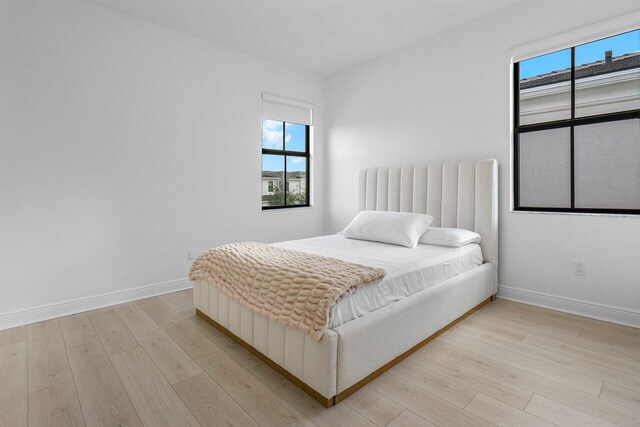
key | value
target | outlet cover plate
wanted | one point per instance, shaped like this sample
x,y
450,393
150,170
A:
x,y
579,268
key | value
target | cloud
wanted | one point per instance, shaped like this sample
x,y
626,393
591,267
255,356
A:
x,y
272,134
271,125
297,159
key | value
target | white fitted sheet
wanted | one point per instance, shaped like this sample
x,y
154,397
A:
x,y
407,270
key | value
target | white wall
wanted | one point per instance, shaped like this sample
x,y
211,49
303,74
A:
x,y
122,144
447,98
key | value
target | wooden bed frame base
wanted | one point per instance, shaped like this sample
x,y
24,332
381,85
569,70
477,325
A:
x,y
328,402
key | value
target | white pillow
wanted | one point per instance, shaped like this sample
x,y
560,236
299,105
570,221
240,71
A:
x,y
454,237
397,228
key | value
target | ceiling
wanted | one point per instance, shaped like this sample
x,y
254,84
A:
x,y
321,36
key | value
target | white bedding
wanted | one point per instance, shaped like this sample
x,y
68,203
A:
x,y
408,270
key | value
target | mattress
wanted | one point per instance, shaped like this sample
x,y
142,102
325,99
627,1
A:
x,y
407,270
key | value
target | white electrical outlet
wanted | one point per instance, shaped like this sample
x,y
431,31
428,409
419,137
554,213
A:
x,y
190,255
579,268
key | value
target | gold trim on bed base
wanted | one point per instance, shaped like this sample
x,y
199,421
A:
x,y
328,402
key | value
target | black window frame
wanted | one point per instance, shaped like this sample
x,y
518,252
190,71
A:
x,y
571,123
284,152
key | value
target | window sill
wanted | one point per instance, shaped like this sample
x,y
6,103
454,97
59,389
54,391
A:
x,y
632,215
286,208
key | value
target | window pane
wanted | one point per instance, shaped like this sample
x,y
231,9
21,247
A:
x,y
296,180
295,137
608,75
607,165
545,168
272,180
272,134
545,88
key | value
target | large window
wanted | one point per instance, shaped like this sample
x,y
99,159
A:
x,y
577,128
285,164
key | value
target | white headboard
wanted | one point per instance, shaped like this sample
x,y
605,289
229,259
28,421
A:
x,y
457,194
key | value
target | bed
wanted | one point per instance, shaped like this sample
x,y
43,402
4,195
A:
x,y
425,290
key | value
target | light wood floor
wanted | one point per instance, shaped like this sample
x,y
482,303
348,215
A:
x,y
154,363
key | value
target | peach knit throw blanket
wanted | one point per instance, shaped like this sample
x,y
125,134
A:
x,y
293,288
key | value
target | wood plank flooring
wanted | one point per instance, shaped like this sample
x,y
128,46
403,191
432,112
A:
x,y
153,363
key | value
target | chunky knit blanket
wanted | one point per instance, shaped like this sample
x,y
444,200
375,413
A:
x,y
293,288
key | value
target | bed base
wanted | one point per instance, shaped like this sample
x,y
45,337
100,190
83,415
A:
x,y
328,402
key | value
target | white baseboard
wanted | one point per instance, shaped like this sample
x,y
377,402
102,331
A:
x,y
51,311
608,313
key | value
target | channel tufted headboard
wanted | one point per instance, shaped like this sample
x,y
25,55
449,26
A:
x,y
460,194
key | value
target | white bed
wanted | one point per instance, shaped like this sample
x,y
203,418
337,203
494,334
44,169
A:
x,y
425,289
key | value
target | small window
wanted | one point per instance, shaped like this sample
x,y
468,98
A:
x,y
577,128
285,164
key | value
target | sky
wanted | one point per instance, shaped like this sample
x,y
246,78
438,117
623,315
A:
x,y
276,163
294,140
586,53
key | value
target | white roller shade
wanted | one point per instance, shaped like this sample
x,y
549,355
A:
x,y
286,109
600,30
